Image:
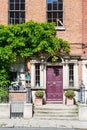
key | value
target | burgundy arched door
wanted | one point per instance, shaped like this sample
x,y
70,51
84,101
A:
x,y
54,84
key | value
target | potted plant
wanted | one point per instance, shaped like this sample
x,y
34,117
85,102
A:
x,y
39,97
20,83
70,100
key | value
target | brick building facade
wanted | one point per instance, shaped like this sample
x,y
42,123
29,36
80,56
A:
x,y
73,30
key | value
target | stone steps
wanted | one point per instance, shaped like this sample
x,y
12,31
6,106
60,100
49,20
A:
x,y
56,111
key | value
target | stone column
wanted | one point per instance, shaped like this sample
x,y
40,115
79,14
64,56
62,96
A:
x,y
32,75
76,74
28,110
41,75
65,75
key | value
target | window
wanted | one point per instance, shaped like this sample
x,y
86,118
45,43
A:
x,y
16,11
71,75
13,76
55,12
37,73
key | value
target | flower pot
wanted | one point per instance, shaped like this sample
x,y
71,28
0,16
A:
x,y
69,101
38,101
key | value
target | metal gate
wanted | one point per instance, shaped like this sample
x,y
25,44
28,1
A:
x,y
17,109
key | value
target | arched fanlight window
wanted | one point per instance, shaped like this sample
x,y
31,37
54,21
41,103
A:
x,y
59,60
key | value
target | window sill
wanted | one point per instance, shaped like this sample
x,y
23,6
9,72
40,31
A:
x,y
60,28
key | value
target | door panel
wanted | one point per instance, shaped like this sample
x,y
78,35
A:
x,y
54,83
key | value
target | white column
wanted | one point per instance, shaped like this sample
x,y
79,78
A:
x,y
76,75
84,73
41,75
32,75
66,75
84,76
44,81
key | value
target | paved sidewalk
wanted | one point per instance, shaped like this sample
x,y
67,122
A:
x,y
43,123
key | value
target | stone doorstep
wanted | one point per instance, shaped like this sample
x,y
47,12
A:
x,y
57,111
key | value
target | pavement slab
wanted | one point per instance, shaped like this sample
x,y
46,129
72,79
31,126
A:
x,y
32,123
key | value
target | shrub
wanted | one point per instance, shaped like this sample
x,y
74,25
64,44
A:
x,y
3,95
39,93
70,93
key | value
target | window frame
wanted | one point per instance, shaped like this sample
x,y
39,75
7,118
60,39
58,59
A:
x,y
37,75
71,75
57,11
20,12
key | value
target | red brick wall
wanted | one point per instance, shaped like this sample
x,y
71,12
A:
x,y
73,25
36,10
18,96
84,25
4,12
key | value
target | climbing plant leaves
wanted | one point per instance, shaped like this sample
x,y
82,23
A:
x,y
26,40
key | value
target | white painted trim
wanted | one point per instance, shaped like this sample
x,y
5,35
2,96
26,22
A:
x,y
76,75
32,75
41,75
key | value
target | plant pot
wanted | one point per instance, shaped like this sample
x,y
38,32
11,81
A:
x,y
38,101
69,101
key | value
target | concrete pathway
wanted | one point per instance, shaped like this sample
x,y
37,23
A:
x,y
43,123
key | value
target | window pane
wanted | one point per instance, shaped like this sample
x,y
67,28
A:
x,y
49,20
16,6
54,20
11,0
37,72
54,6
49,1
17,15
55,1
60,6
11,14
71,75
60,15
11,6
22,7
49,15
55,15
22,1
49,7
11,20
17,1
60,0
16,21
22,14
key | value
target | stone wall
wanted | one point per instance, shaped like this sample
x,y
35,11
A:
x,y
5,111
83,112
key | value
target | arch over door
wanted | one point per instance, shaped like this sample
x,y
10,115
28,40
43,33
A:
x,y
54,84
